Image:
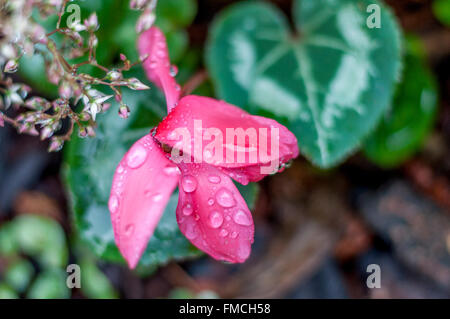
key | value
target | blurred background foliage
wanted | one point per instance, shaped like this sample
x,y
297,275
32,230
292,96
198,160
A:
x,y
338,86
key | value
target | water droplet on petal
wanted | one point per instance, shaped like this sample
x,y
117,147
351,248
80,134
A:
x,y
241,218
234,235
215,219
171,170
189,183
187,210
223,233
120,169
214,179
160,54
157,198
137,156
191,231
225,198
244,251
172,135
129,229
113,204
210,202
173,71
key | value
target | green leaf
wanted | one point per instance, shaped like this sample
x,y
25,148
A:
x,y
176,13
441,9
89,168
19,274
41,238
32,69
94,283
8,243
404,128
330,82
6,292
50,284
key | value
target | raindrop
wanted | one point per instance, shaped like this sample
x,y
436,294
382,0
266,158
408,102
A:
x,y
137,156
172,135
210,202
120,169
171,170
187,210
215,219
157,198
214,179
234,235
241,218
244,251
129,229
113,204
223,233
160,54
189,183
191,231
173,71
225,198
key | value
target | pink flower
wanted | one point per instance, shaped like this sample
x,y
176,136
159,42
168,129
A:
x,y
211,212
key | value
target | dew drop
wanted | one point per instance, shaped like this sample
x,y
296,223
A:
x,y
189,183
157,198
172,135
113,204
137,156
187,210
160,53
223,233
191,231
234,235
215,219
171,170
120,169
129,230
214,179
173,71
210,202
244,251
241,218
225,198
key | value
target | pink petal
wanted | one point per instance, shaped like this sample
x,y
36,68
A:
x,y
142,185
256,160
157,65
213,215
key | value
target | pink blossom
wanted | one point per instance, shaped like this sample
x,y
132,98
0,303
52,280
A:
x,y
211,212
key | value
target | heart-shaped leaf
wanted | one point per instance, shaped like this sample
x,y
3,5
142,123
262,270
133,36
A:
x,y
403,129
329,82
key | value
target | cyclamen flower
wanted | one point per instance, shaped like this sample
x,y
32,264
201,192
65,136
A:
x,y
211,212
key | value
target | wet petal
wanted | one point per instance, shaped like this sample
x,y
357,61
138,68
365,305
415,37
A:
x,y
213,215
142,185
157,65
248,147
